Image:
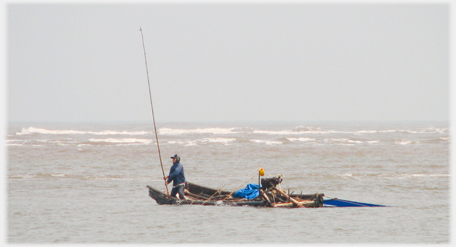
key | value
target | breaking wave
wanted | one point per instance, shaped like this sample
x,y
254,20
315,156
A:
x,y
268,142
122,141
302,139
203,141
33,130
224,131
300,135
219,131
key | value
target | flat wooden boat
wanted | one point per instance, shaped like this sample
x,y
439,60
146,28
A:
x,y
268,197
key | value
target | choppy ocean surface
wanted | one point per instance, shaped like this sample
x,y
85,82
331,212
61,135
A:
x,y
86,183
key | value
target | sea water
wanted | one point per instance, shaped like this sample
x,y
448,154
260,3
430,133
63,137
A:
x,y
86,183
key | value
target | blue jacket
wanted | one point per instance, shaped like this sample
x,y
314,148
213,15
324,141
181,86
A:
x,y
176,174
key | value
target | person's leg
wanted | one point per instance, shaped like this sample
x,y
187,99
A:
x,y
174,191
181,192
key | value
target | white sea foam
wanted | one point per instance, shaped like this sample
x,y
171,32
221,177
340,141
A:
x,y
111,132
306,129
301,139
225,141
403,142
14,144
191,143
337,140
271,132
268,142
176,142
418,175
22,176
219,131
366,132
224,131
122,140
428,130
33,130
219,140
292,132
58,175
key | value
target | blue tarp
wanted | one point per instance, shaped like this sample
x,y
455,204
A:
x,y
250,191
346,203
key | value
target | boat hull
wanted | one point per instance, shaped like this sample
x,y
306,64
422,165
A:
x,y
201,195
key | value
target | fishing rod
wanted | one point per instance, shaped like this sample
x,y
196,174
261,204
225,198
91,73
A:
x,y
152,107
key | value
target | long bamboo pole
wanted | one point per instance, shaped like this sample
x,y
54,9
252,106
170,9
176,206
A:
x,y
153,115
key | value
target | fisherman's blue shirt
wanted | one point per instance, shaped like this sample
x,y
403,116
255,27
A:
x,y
176,174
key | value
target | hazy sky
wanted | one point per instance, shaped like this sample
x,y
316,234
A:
x,y
295,62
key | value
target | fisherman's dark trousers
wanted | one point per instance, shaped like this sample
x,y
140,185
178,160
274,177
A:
x,y
178,189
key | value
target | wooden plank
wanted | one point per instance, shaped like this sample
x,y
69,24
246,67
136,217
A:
x,y
298,204
265,196
195,195
284,205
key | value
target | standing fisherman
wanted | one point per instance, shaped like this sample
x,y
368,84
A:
x,y
176,174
